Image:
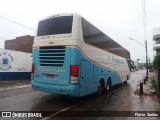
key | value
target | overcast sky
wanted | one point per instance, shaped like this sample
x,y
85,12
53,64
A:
x,y
119,19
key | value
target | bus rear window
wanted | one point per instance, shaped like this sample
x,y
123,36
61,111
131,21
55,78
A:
x,y
57,25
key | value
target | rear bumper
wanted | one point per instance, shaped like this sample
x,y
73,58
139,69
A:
x,y
71,90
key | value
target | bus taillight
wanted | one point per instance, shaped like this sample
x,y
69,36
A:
x,y
74,74
32,72
32,68
74,70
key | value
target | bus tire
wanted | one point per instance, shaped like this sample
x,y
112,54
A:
x,y
100,88
108,85
125,82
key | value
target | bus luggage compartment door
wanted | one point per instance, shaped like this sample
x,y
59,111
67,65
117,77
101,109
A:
x,y
86,80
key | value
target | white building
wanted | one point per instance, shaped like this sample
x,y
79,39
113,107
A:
x,y
156,39
15,65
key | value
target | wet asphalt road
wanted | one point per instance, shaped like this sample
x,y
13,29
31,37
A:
x,y
121,98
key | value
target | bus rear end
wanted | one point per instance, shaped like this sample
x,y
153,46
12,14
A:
x,y
52,69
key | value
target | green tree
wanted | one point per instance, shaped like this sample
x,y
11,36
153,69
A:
x,y
150,66
133,67
155,60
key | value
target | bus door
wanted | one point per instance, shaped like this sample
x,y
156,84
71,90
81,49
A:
x,y
86,80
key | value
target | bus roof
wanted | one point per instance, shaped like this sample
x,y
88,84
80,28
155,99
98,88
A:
x,y
108,44
61,14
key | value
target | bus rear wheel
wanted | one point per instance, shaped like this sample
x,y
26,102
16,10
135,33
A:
x,y
108,86
125,82
100,88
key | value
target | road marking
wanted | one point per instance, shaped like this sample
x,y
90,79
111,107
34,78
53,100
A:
x,y
13,88
65,109
18,95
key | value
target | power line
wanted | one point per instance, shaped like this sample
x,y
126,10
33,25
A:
x,y
17,23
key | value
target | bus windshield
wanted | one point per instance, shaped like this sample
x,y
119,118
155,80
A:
x,y
56,25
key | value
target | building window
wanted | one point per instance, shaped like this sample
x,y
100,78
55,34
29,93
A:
x,y
157,40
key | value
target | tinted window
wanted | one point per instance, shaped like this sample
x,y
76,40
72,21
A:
x,y
157,40
95,37
57,25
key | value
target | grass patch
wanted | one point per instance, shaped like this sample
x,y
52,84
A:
x,y
153,81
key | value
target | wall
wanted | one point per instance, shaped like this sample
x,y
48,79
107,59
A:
x,y
23,44
15,65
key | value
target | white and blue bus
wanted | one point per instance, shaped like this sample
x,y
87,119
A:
x,y
72,57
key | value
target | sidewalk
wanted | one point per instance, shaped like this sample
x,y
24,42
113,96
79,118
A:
x,y
14,84
147,87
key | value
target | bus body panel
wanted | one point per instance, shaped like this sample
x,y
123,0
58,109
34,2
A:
x,y
56,75
53,74
86,79
89,76
70,90
112,63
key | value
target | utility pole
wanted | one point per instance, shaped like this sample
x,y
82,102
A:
x,y
146,61
146,55
158,74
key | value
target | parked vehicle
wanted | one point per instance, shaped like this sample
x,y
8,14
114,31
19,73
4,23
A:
x,y
73,57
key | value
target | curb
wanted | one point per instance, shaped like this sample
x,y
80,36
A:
x,y
16,87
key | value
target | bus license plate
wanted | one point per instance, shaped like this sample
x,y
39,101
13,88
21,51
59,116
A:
x,y
50,76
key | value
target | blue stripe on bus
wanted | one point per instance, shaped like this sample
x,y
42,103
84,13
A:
x,y
89,75
72,90
15,75
76,53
